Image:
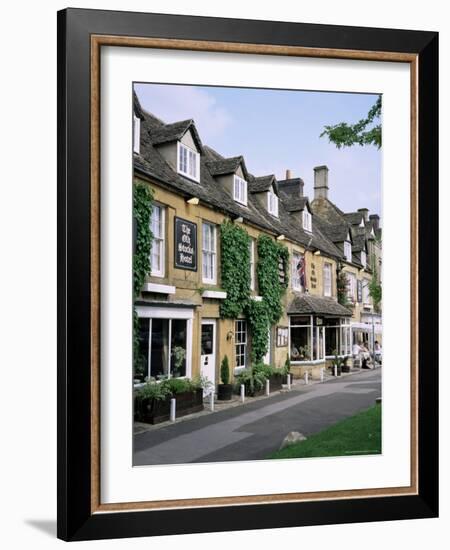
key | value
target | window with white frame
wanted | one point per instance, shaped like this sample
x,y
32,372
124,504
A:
x,y
348,251
327,279
363,258
209,253
351,287
240,190
136,134
295,271
366,291
252,264
307,220
164,347
306,338
157,254
272,203
188,162
240,338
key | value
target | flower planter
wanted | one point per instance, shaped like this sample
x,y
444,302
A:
x,y
346,368
277,381
224,392
156,411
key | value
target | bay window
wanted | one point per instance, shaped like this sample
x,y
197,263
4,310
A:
x,y
337,337
306,335
164,346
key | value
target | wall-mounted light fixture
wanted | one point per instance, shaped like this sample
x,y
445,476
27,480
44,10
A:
x,y
230,335
239,219
281,238
193,200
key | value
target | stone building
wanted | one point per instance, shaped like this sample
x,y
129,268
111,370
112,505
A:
x,y
195,190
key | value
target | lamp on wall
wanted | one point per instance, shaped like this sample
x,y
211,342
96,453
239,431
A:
x,y
193,200
239,219
281,238
230,335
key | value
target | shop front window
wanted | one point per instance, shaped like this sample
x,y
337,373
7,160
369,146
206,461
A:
x,y
306,339
163,347
337,337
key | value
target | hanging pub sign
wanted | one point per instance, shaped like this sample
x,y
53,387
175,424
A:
x,y
185,244
281,272
359,290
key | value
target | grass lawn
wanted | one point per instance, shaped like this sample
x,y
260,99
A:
x,y
356,435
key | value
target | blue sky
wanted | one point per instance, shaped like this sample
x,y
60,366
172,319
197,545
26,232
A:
x,y
277,130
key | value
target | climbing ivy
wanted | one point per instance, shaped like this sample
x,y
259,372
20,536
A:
x,y
375,290
270,254
235,264
142,211
258,320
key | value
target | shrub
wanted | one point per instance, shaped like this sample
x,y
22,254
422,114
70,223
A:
x,y
153,390
225,371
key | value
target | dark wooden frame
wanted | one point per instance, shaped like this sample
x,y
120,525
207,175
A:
x,y
80,35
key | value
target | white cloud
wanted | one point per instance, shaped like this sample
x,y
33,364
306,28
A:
x,y
172,103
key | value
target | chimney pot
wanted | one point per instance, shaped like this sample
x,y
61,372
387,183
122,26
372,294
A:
x,y
365,213
375,219
321,182
288,174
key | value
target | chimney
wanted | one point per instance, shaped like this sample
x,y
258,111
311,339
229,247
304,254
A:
x,y
365,213
375,219
288,174
321,182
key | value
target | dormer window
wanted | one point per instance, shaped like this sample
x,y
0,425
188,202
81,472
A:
x,y
348,251
272,203
363,259
136,134
188,162
307,220
240,190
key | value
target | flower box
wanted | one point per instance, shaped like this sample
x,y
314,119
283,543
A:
x,y
155,411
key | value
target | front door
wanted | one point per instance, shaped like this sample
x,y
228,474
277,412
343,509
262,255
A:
x,y
208,351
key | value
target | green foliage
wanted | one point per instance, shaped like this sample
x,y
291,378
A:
x,y
270,253
253,380
287,364
153,390
375,290
225,370
346,135
235,264
342,288
258,320
142,212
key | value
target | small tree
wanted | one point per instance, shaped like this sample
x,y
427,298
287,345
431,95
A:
x,y
375,291
225,371
342,288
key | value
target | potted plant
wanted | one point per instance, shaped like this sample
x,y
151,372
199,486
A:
x,y
345,365
225,390
286,369
337,362
152,401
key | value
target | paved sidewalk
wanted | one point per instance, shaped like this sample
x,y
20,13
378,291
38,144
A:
x,y
257,429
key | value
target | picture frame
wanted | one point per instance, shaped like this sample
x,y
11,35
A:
x,y
81,36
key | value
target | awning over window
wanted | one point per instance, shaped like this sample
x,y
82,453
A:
x,y
317,305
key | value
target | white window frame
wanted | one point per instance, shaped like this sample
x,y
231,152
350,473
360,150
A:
x,y
192,161
240,190
363,259
171,314
307,220
136,134
252,265
237,324
159,241
327,279
348,251
272,203
352,287
209,254
295,277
